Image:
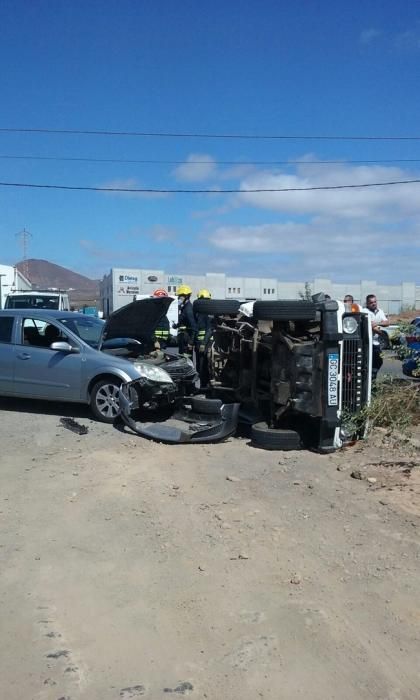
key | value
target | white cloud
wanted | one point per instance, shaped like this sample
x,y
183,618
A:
x,y
235,172
336,249
293,237
367,36
379,202
130,183
371,233
404,41
160,233
197,168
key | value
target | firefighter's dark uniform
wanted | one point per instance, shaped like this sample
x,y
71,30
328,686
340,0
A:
x,y
187,328
204,333
162,333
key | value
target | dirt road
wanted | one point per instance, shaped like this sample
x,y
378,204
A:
x,y
131,569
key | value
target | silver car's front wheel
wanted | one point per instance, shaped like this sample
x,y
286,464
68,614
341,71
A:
x,y
104,401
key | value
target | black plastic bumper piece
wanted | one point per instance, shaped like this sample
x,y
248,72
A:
x,y
184,426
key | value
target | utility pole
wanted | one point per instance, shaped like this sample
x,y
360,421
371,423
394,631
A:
x,y
1,286
24,237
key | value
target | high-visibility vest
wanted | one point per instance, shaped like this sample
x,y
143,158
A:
x,y
162,334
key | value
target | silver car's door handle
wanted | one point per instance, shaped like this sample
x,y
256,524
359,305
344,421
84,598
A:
x,y
24,356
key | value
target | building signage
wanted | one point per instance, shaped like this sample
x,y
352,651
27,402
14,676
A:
x,y
152,278
175,280
128,278
128,290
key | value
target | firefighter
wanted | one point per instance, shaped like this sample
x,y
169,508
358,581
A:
x,y
161,335
204,332
187,327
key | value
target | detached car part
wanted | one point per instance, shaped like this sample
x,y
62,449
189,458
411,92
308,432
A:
x,y
191,422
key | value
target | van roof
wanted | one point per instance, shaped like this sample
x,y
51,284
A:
x,y
51,292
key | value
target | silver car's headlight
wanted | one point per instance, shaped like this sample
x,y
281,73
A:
x,y
155,374
349,324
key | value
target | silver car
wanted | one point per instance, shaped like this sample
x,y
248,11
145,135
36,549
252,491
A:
x,y
57,356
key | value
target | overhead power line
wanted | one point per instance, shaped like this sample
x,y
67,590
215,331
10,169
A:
x,y
152,190
193,135
206,162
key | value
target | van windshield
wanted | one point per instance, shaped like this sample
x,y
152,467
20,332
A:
x,y
32,301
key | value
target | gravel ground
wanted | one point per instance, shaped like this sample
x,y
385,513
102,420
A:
x,y
132,569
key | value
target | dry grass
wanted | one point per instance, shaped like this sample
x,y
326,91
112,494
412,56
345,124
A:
x,y
395,404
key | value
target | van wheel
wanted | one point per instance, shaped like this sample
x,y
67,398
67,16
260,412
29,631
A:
x,y
275,438
216,307
284,310
104,402
384,343
200,404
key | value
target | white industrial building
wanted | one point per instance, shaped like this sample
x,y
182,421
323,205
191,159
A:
x,y
11,280
122,285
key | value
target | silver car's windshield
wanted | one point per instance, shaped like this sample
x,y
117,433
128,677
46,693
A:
x,y
88,329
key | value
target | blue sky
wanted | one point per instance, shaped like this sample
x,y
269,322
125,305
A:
x,y
246,67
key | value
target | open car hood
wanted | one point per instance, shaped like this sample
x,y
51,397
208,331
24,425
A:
x,y
137,320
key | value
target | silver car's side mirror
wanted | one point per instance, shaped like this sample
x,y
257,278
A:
x,y
62,346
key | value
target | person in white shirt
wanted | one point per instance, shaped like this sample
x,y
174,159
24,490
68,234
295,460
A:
x,y
378,320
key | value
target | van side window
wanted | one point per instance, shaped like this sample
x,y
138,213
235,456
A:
x,y
6,326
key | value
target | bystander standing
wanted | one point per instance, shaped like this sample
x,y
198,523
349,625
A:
x,y
378,320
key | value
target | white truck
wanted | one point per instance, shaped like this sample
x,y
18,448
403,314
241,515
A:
x,y
38,299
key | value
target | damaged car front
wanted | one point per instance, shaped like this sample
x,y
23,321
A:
x,y
191,418
127,335
129,332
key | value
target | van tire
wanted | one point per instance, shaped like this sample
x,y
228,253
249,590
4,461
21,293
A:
x,y
216,307
284,310
200,404
275,438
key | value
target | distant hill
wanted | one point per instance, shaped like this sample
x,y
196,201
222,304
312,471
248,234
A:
x,y
45,275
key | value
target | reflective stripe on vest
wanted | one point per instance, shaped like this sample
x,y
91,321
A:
x,y
201,335
162,334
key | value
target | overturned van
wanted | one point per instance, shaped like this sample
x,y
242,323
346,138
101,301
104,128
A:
x,y
298,372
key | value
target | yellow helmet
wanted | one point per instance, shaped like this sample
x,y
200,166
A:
x,y
204,294
183,290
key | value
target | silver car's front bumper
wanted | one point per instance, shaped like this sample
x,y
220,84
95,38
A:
x,y
184,425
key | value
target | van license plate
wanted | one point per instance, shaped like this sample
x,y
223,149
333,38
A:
x,y
333,379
